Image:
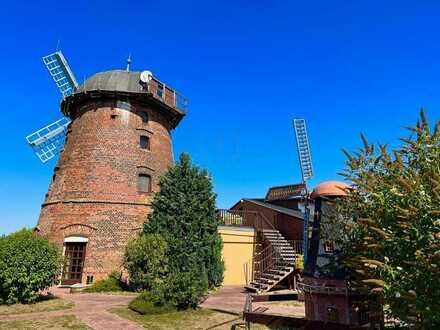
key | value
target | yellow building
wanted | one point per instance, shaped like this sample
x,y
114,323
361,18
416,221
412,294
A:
x,y
237,252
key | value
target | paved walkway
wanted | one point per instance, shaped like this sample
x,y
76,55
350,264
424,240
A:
x,y
90,308
229,299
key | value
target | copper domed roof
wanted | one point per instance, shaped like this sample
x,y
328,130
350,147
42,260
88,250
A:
x,y
330,188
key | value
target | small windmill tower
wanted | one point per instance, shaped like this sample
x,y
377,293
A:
x,y
115,143
305,162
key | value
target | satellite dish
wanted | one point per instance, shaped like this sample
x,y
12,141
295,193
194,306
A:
x,y
146,76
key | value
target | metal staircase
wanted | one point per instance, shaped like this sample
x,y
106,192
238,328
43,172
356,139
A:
x,y
273,264
275,261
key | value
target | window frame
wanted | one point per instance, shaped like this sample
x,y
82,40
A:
x,y
329,247
149,186
145,118
146,138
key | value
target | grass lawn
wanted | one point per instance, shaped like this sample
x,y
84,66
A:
x,y
44,305
188,319
60,322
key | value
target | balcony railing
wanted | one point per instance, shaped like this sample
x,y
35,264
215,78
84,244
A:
x,y
323,289
167,95
244,218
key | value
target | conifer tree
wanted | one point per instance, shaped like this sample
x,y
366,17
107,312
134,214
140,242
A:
x,y
184,215
392,225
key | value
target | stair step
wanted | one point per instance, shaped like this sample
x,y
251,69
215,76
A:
x,y
286,250
275,272
272,276
265,280
251,288
284,265
258,285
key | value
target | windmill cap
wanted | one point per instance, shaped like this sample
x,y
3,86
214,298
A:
x,y
115,80
126,85
330,189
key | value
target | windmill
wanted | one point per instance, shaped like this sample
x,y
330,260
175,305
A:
x,y
48,141
305,162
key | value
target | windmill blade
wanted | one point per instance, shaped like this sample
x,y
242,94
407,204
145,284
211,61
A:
x,y
48,141
302,143
61,73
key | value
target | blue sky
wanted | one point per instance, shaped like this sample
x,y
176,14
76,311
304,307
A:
x,y
247,68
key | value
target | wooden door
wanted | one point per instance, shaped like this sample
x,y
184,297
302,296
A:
x,y
73,263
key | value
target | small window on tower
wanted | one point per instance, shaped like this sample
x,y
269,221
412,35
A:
x,y
144,183
144,142
144,117
160,90
329,247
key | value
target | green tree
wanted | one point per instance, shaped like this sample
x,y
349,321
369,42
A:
x,y
184,215
392,217
28,264
146,261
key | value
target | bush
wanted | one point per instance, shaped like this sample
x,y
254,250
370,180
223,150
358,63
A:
x,y
184,215
112,283
28,264
145,304
146,261
183,289
391,220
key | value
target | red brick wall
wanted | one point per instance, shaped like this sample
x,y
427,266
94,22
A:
x,y
94,192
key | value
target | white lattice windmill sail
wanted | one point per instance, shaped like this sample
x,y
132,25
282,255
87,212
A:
x,y
49,140
61,73
302,144
305,162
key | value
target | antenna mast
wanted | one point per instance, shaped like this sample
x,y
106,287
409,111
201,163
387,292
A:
x,y
128,62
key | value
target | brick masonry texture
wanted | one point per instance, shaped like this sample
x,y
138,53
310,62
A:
x,y
94,191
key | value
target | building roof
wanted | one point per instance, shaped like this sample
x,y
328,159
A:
x,y
115,81
277,208
330,188
286,192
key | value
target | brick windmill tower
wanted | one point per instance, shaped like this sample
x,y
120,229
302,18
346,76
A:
x,y
115,144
